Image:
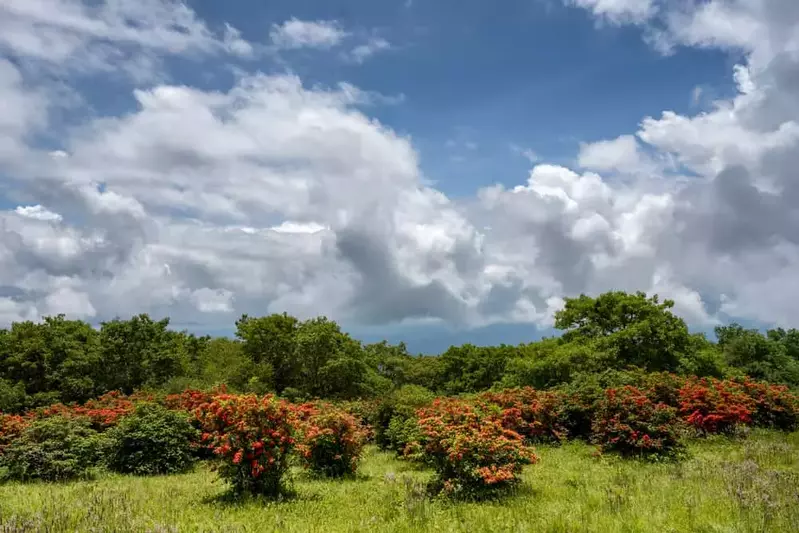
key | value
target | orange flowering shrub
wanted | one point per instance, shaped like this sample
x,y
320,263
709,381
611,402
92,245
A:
x,y
103,412
535,415
191,399
330,440
627,421
715,406
253,437
11,427
775,406
470,448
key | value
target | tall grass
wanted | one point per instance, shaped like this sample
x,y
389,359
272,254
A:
x,y
744,486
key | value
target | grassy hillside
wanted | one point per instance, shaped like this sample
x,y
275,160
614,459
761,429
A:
x,y
749,485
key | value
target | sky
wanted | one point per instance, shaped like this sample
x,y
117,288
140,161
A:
x,y
432,171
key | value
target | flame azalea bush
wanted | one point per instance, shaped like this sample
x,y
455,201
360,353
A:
x,y
191,399
628,422
330,440
103,413
11,427
535,415
472,452
715,406
253,437
364,411
774,405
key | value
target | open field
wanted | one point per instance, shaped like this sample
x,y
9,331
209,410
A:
x,y
725,485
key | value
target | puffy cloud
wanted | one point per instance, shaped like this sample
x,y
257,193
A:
x,y
295,33
38,212
623,154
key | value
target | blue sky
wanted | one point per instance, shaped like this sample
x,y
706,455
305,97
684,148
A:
x,y
430,171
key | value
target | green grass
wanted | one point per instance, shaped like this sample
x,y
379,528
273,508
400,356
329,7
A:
x,y
724,485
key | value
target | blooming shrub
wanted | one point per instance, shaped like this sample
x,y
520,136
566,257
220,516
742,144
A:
x,y
53,449
364,411
630,423
253,438
191,399
330,440
715,406
11,427
470,449
103,412
152,441
775,406
535,415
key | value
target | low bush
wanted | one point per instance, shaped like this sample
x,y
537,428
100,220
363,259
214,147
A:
x,y
715,406
402,405
330,440
152,441
628,422
53,449
11,427
775,406
473,454
535,415
103,412
253,438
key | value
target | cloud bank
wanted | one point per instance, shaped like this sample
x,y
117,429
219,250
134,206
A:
x,y
278,196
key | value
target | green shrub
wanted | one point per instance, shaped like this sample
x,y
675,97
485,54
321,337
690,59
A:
x,y
152,441
53,449
401,404
401,432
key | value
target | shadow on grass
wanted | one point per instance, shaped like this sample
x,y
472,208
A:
x,y
230,498
522,491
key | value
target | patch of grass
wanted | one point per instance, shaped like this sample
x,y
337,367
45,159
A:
x,y
731,485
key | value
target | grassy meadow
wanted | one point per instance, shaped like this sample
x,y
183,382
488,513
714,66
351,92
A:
x,y
724,485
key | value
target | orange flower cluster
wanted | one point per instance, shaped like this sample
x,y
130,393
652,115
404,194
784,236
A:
x,y
104,412
470,447
330,439
253,436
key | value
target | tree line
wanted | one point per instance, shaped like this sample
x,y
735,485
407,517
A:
x,y
61,360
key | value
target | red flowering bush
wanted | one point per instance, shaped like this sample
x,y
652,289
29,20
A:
x,y
330,439
11,427
191,399
715,406
103,412
253,437
775,406
628,422
364,411
535,415
471,450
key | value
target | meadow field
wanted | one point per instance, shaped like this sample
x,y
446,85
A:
x,y
745,484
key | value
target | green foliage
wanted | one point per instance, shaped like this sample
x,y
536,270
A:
x,y
152,441
397,407
471,368
272,340
65,361
636,330
12,397
53,449
139,352
549,363
773,358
